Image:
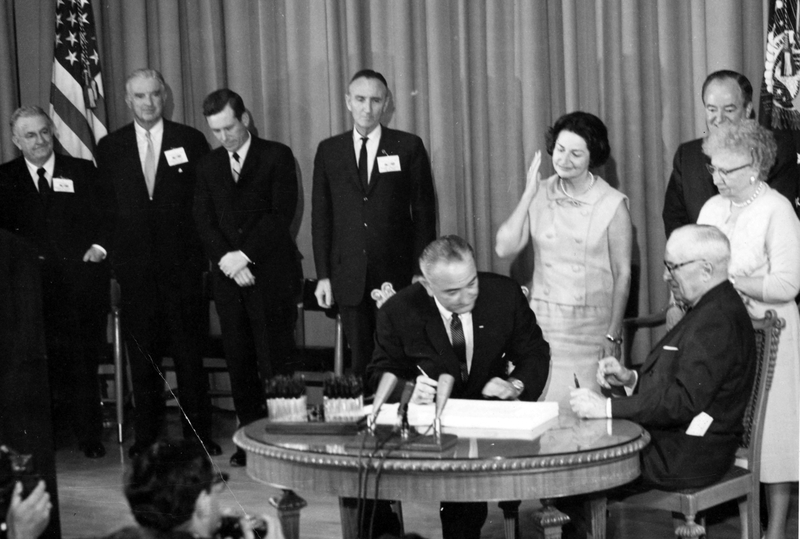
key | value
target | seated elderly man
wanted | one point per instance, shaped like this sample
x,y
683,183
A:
x,y
467,324
691,392
173,490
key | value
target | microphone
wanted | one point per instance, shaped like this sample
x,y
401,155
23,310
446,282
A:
x,y
402,409
385,388
443,391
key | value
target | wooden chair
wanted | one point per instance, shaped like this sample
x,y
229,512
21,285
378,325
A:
x,y
742,481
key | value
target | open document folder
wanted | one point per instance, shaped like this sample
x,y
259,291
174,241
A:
x,y
481,419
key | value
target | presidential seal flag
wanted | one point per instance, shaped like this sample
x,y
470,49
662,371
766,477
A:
x,y
780,107
77,103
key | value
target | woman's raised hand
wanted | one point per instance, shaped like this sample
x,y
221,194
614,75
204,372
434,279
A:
x,y
534,177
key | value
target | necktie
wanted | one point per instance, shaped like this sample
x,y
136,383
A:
x,y
236,167
459,344
150,166
44,187
363,165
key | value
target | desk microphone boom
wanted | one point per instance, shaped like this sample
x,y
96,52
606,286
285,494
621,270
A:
x,y
443,390
385,388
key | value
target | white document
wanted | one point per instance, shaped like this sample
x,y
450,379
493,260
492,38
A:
x,y
485,416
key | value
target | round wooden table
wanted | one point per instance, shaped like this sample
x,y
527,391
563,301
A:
x,y
571,457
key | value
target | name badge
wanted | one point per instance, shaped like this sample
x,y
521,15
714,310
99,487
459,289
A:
x,y
699,424
176,156
63,185
670,348
388,163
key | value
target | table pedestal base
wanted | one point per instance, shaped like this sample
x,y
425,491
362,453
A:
x,y
289,506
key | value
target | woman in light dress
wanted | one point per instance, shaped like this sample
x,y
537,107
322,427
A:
x,y
581,234
765,269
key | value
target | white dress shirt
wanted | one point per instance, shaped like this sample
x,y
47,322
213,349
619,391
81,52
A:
x,y
49,167
466,325
242,153
156,135
372,147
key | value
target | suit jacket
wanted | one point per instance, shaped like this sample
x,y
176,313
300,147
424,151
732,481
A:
x,y
152,237
383,229
252,215
706,363
410,333
691,185
70,224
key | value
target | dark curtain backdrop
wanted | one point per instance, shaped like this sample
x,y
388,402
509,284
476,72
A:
x,y
479,81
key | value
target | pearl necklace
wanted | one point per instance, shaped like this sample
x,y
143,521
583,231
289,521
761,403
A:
x,y
751,199
572,199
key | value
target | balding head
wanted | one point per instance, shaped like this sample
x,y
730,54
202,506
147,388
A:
x,y
696,260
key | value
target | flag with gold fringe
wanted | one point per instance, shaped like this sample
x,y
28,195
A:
x,y
77,103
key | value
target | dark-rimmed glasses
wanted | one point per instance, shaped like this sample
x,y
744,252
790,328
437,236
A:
x,y
723,173
671,268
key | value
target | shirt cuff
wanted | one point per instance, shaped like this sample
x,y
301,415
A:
x,y
608,408
100,247
629,390
246,257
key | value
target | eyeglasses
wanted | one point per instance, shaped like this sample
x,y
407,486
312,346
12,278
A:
x,y
671,268
724,173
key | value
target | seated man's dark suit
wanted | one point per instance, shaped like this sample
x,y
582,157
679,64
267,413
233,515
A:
x,y
74,293
706,363
159,262
691,185
363,238
252,215
410,333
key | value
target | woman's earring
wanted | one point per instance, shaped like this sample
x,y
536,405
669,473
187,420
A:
x,y
752,180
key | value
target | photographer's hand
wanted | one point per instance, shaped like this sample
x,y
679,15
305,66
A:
x,y
27,519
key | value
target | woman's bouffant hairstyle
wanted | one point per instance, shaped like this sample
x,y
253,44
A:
x,y
587,126
744,138
164,482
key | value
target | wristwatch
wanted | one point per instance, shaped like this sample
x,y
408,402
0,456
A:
x,y
615,340
518,385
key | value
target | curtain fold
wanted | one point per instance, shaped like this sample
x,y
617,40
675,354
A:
x,y
480,82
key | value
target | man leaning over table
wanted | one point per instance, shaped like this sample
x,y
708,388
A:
x,y
467,324
689,392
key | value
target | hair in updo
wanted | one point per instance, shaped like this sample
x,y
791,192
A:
x,y
744,138
587,126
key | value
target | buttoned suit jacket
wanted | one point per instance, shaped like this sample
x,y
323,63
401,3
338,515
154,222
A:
x,y
153,238
64,230
252,215
382,229
691,185
411,333
706,363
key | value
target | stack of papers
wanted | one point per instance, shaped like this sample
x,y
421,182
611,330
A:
x,y
479,418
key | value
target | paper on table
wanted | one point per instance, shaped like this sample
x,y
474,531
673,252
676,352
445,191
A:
x,y
476,414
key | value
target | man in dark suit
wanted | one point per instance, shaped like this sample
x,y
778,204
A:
x,y
467,324
157,257
244,203
691,392
728,97
370,217
49,200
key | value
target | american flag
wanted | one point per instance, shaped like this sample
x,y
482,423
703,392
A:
x,y
780,90
77,105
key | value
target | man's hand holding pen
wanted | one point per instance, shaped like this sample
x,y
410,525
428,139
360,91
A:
x,y
425,389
